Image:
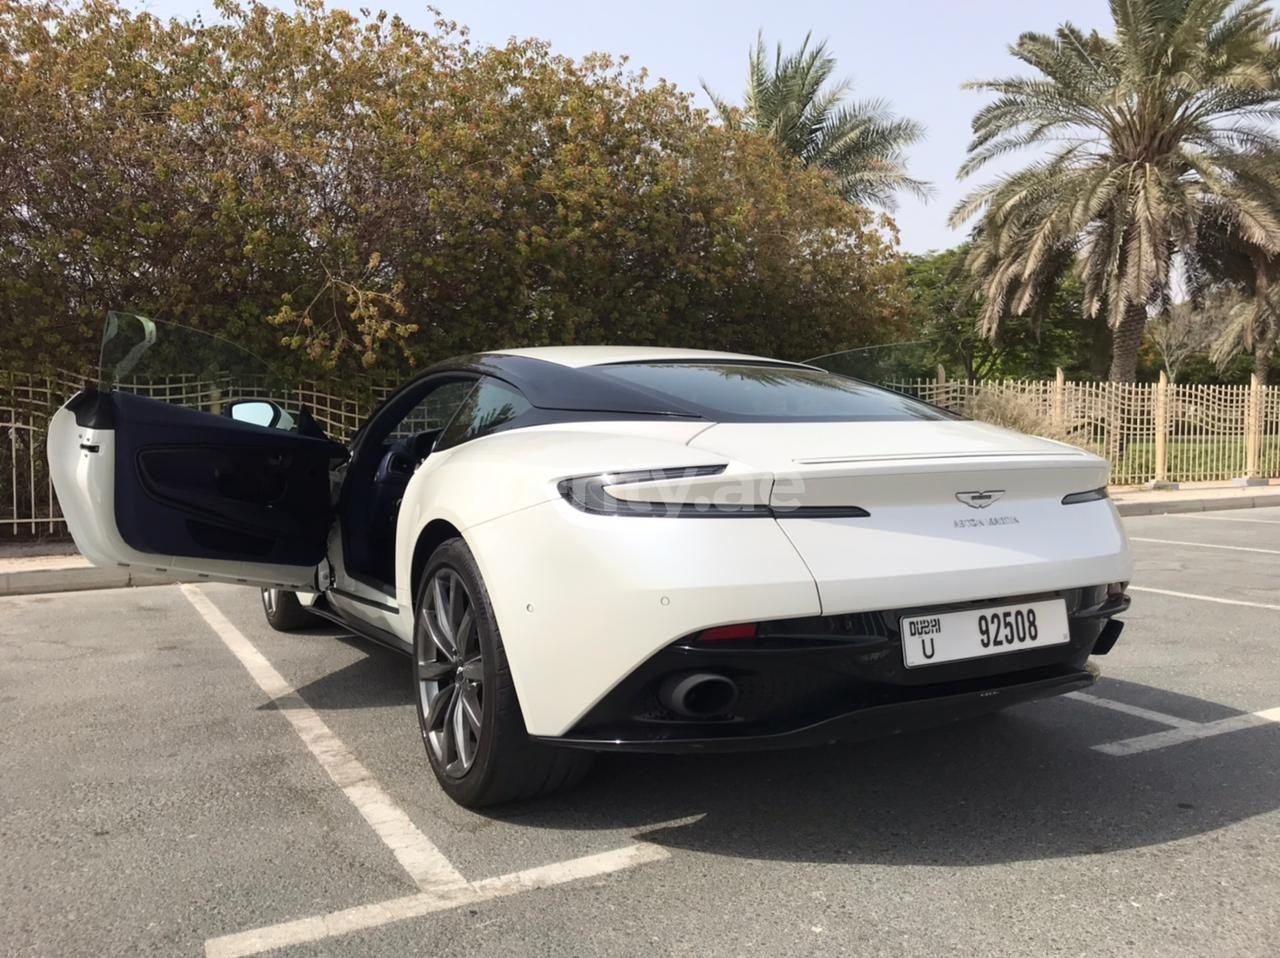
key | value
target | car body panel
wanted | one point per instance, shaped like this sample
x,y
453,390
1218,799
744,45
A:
x,y
920,533
82,466
606,592
931,555
560,579
789,444
506,472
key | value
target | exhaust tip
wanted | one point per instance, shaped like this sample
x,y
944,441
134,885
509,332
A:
x,y
698,694
1108,636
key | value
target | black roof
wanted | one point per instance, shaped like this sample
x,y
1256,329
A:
x,y
551,385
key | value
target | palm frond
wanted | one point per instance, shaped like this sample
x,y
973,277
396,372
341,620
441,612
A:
x,y
794,100
1162,146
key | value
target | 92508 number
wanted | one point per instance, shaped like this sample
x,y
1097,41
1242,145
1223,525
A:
x,y
998,629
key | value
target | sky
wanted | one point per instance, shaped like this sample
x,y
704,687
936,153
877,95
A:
x,y
913,53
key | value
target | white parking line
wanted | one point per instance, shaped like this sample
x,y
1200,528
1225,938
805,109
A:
x,y
363,917
1200,515
425,863
1205,545
443,886
1177,736
1159,717
1205,598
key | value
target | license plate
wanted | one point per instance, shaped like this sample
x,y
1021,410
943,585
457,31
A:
x,y
977,633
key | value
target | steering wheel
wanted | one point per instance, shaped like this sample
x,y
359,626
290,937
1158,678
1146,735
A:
x,y
404,456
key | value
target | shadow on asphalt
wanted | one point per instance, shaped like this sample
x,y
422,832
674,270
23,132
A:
x,y
1021,785
378,680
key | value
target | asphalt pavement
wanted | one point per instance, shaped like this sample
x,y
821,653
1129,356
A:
x,y
179,779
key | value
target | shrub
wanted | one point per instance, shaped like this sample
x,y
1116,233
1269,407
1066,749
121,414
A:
x,y
1013,409
363,192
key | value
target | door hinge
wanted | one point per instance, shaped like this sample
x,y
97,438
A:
x,y
324,575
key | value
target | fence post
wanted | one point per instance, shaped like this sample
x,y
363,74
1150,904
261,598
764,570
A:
x,y
1162,431
1252,434
1112,440
942,375
1058,402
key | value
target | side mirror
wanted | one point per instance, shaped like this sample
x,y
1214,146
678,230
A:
x,y
258,412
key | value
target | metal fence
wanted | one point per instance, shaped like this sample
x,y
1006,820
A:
x,y
1149,431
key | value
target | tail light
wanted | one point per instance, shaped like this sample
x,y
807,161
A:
x,y
698,492
1090,495
677,493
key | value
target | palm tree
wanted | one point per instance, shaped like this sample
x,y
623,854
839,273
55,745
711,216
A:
x,y
1153,136
1244,285
861,143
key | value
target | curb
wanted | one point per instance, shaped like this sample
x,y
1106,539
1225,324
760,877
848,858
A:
x,y
1139,508
76,579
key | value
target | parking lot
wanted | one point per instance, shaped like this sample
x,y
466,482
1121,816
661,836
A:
x,y
178,778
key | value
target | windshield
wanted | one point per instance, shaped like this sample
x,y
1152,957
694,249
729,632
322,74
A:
x,y
764,393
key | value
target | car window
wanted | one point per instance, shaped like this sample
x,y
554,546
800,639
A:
x,y
194,368
487,407
433,410
763,393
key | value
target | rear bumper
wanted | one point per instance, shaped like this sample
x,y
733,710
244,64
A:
x,y
585,602
869,722
821,679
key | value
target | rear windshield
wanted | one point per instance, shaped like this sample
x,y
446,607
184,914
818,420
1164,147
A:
x,y
762,393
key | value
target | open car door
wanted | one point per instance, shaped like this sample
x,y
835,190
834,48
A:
x,y
192,491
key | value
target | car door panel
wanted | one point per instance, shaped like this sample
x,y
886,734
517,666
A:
x,y
147,482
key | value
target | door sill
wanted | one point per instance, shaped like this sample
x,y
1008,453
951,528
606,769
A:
x,y
322,608
364,600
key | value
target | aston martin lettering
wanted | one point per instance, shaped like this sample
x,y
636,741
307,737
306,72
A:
x,y
986,521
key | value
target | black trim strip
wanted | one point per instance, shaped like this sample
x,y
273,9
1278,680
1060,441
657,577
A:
x,y
821,512
875,721
382,607
1089,495
323,609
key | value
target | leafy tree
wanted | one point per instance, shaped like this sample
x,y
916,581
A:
x,y
944,313
1186,329
1154,136
343,190
862,144
1201,369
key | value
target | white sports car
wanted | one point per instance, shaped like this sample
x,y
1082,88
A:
x,y
624,548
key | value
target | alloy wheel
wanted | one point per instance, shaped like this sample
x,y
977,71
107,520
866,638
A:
x,y
449,668
270,600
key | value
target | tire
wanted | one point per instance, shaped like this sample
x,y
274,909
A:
x,y
468,713
284,612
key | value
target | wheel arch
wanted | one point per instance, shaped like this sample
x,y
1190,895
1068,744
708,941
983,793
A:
x,y
433,534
